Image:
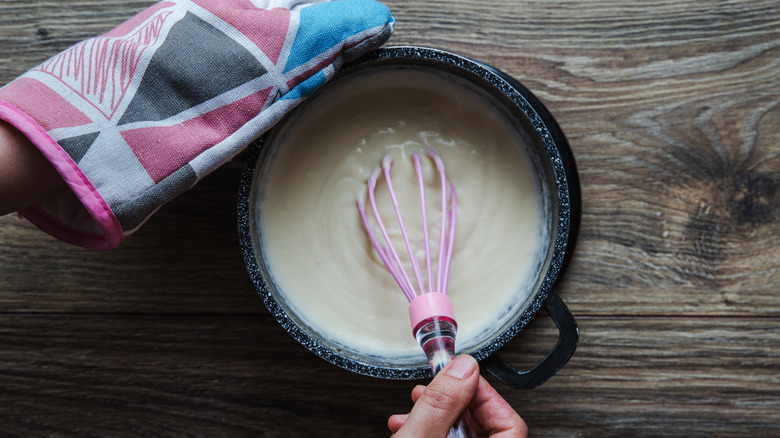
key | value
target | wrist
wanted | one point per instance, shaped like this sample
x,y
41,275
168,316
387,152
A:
x,y
26,176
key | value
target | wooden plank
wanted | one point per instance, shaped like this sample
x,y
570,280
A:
x,y
34,31
668,377
214,376
670,109
186,259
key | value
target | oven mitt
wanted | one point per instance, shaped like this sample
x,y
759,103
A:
x,y
134,117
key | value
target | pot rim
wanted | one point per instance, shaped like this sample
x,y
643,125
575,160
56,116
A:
x,y
540,125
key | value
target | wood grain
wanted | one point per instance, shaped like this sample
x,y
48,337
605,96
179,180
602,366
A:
x,y
234,376
672,110
186,259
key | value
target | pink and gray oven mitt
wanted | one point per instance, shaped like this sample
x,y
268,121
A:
x,y
134,117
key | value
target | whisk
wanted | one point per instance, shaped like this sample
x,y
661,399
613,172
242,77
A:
x,y
430,310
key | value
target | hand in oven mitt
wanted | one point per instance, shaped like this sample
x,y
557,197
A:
x,y
134,117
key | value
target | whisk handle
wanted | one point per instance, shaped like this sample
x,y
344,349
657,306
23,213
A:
x,y
437,339
463,427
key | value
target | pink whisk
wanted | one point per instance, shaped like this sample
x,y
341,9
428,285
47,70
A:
x,y
430,309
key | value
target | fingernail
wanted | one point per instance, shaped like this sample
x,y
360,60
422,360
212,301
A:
x,y
461,367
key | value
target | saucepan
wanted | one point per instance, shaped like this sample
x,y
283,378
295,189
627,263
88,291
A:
x,y
557,174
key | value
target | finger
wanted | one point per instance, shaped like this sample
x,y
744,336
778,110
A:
x,y
396,421
417,392
443,400
494,414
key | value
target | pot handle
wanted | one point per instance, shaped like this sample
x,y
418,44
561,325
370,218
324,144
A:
x,y
568,339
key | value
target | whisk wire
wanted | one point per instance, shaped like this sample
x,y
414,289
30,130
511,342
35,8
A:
x,y
388,254
386,162
443,181
383,253
421,185
451,231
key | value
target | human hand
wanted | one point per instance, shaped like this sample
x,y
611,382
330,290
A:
x,y
136,116
26,176
457,386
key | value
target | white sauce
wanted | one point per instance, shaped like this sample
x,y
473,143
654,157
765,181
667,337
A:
x,y
313,241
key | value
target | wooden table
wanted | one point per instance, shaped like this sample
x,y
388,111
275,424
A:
x,y
673,113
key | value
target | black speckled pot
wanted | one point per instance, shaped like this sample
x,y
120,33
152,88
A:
x,y
558,170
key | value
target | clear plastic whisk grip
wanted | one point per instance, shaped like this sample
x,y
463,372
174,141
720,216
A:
x,y
437,339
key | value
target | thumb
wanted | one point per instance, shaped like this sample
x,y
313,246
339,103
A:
x,y
444,399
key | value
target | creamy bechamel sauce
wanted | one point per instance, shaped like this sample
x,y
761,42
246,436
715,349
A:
x,y
314,244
